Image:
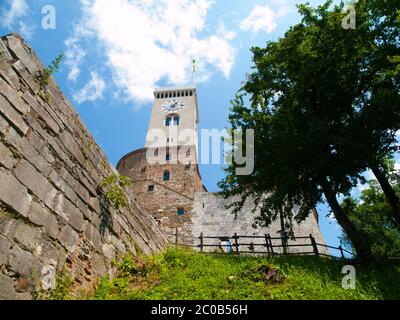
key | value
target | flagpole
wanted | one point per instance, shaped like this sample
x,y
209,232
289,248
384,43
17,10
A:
x,y
194,73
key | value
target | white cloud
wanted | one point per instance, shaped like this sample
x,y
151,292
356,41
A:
x,y
264,18
26,30
146,42
92,91
17,9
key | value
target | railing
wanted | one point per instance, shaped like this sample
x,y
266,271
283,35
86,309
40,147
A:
x,y
263,245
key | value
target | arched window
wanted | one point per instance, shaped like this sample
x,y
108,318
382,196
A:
x,y
177,121
181,211
167,176
168,121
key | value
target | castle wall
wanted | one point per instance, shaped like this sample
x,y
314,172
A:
x,y
55,215
163,202
210,217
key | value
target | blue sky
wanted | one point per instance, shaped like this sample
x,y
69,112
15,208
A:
x,y
118,51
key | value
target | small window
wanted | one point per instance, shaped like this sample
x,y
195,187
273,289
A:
x,y
176,121
167,176
151,188
181,211
168,157
168,121
191,93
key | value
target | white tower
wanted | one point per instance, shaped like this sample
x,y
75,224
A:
x,y
174,119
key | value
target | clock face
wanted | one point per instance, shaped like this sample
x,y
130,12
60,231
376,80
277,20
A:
x,y
173,106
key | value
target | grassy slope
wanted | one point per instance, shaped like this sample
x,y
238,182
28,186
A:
x,y
184,274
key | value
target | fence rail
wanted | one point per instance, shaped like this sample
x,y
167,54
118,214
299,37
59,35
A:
x,y
233,245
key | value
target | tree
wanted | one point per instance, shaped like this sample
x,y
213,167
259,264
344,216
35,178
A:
x,y
324,108
371,215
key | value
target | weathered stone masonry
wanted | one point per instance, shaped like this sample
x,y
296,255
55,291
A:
x,y
56,216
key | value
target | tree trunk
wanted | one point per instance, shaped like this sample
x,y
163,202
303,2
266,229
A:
x,y
359,242
389,192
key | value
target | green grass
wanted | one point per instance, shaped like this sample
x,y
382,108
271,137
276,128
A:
x,y
184,274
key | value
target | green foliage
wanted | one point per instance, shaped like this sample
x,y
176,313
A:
x,y
313,100
115,186
43,77
179,274
372,215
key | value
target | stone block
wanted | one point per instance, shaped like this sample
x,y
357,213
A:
x,y
42,113
26,149
13,97
7,291
23,285
5,247
99,266
64,208
108,251
40,216
36,182
15,195
6,157
69,238
93,235
24,263
13,116
25,235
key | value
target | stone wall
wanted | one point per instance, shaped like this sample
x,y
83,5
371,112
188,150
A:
x,y
210,217
54,215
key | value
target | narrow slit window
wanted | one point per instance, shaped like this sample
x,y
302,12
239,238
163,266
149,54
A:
x,y
167,176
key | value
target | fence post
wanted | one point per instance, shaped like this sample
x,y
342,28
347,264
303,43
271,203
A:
x,y
314,244
270,244
236,242
341,251
284,243
176,237
201,242
267,243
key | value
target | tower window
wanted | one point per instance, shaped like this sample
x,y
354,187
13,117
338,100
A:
x,y
167,176
176,121
151,188
191,93
181,211
168,121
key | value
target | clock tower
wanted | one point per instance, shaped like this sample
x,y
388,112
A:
x,y
174,119
165,174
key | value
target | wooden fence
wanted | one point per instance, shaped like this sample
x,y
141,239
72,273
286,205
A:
x,y
263,245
